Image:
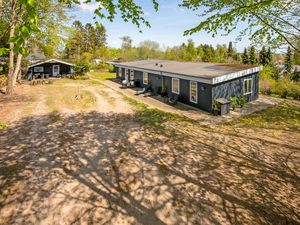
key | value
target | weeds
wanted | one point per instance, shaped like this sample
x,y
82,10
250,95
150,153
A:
x,y
3,126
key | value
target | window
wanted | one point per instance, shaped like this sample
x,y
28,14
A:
x,y
194,91
38,69
145,78
131,75
247,86
175,86
120,72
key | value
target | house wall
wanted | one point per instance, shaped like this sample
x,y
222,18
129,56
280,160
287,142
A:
x,y
235,88
48,68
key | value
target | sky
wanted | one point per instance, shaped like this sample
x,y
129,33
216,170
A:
x,y
167,26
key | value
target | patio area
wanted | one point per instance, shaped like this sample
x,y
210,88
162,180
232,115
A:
x,y
201,116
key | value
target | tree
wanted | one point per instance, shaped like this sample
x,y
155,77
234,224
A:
x,y
100,32
274,21
252,56
23,19
230,49
245,57
263,56
126,42
191,51
288,65
269,57
89,38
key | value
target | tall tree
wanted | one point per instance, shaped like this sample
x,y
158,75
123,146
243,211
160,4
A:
x,y
245,57
191,51
263,56
100,32
126,42
230,49
89,38
269,56
288,65
252,56
274,21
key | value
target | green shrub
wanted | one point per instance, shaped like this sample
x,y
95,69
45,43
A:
x,y
79,77
269,73
81,68
242,101
234,102
3,126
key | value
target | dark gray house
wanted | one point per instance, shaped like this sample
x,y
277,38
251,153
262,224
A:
x,y
195,84
51,68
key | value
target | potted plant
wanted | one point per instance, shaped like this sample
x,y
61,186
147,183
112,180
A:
x,y
216,108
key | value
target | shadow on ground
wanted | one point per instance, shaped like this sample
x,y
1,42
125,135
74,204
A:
x,y
109,169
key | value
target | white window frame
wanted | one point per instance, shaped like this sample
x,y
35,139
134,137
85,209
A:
x,y
196,97
173,91
38,69
145,81
126,74
131,75
247,91
120,72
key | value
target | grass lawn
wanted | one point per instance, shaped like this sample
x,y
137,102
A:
x,y
102,75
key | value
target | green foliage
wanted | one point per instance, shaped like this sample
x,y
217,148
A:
x,y
81,68
3,81
242,101
79,77
102,75
252,56
275,22
269,73
286,88
3,126
245,57
234,102
288,61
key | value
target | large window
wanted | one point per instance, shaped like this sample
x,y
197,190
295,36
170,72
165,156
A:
x,y
247,86
39,69
145,78
131,75
175,86
194,91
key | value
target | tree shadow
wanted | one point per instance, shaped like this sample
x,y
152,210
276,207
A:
x,y
110,169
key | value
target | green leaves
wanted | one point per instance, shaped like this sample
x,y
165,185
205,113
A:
x,y
4,51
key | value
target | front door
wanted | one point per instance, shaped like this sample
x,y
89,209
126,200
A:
x,y
55,70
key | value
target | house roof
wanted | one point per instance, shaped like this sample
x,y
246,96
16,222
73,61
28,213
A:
x,y
205,72
51,61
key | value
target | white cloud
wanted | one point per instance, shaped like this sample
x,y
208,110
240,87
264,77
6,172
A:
x,y
90,7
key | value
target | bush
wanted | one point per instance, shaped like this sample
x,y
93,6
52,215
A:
x,y
81,68
270,73
242,101
79,77
234,102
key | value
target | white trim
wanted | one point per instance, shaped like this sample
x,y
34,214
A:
x,y
131,75
173,79
246,80
196,101
49,60
38,69
211,80
145,74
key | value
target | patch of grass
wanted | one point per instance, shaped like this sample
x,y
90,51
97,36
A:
x,y
102,75
80,77
111,100
281,116
154,118
3,126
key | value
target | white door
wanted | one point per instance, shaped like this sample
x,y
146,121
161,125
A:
x,y
126,75
55,70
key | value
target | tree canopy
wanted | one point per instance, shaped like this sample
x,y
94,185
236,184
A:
x,y
274,22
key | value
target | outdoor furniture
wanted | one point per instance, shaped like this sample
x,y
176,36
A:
x,y
173,99
141,91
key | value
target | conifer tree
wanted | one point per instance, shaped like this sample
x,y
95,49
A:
x,y
288,60
245,57
230,50
252,56
263,56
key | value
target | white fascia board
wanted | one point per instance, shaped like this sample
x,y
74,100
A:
x,y
49,60
235,75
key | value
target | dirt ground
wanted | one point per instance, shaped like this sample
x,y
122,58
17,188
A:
x,y
76,152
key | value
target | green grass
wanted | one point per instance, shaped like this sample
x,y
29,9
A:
x,y
285,115
154,118
102,75
3,126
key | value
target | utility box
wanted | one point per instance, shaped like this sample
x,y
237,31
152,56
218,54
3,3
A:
x,y
224,105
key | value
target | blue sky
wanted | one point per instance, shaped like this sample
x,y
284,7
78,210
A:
x,y
167,26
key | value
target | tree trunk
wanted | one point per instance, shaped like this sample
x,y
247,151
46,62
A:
x,y
10,83
17,69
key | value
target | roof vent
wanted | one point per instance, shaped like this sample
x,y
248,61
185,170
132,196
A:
x,y
156,64
161,65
